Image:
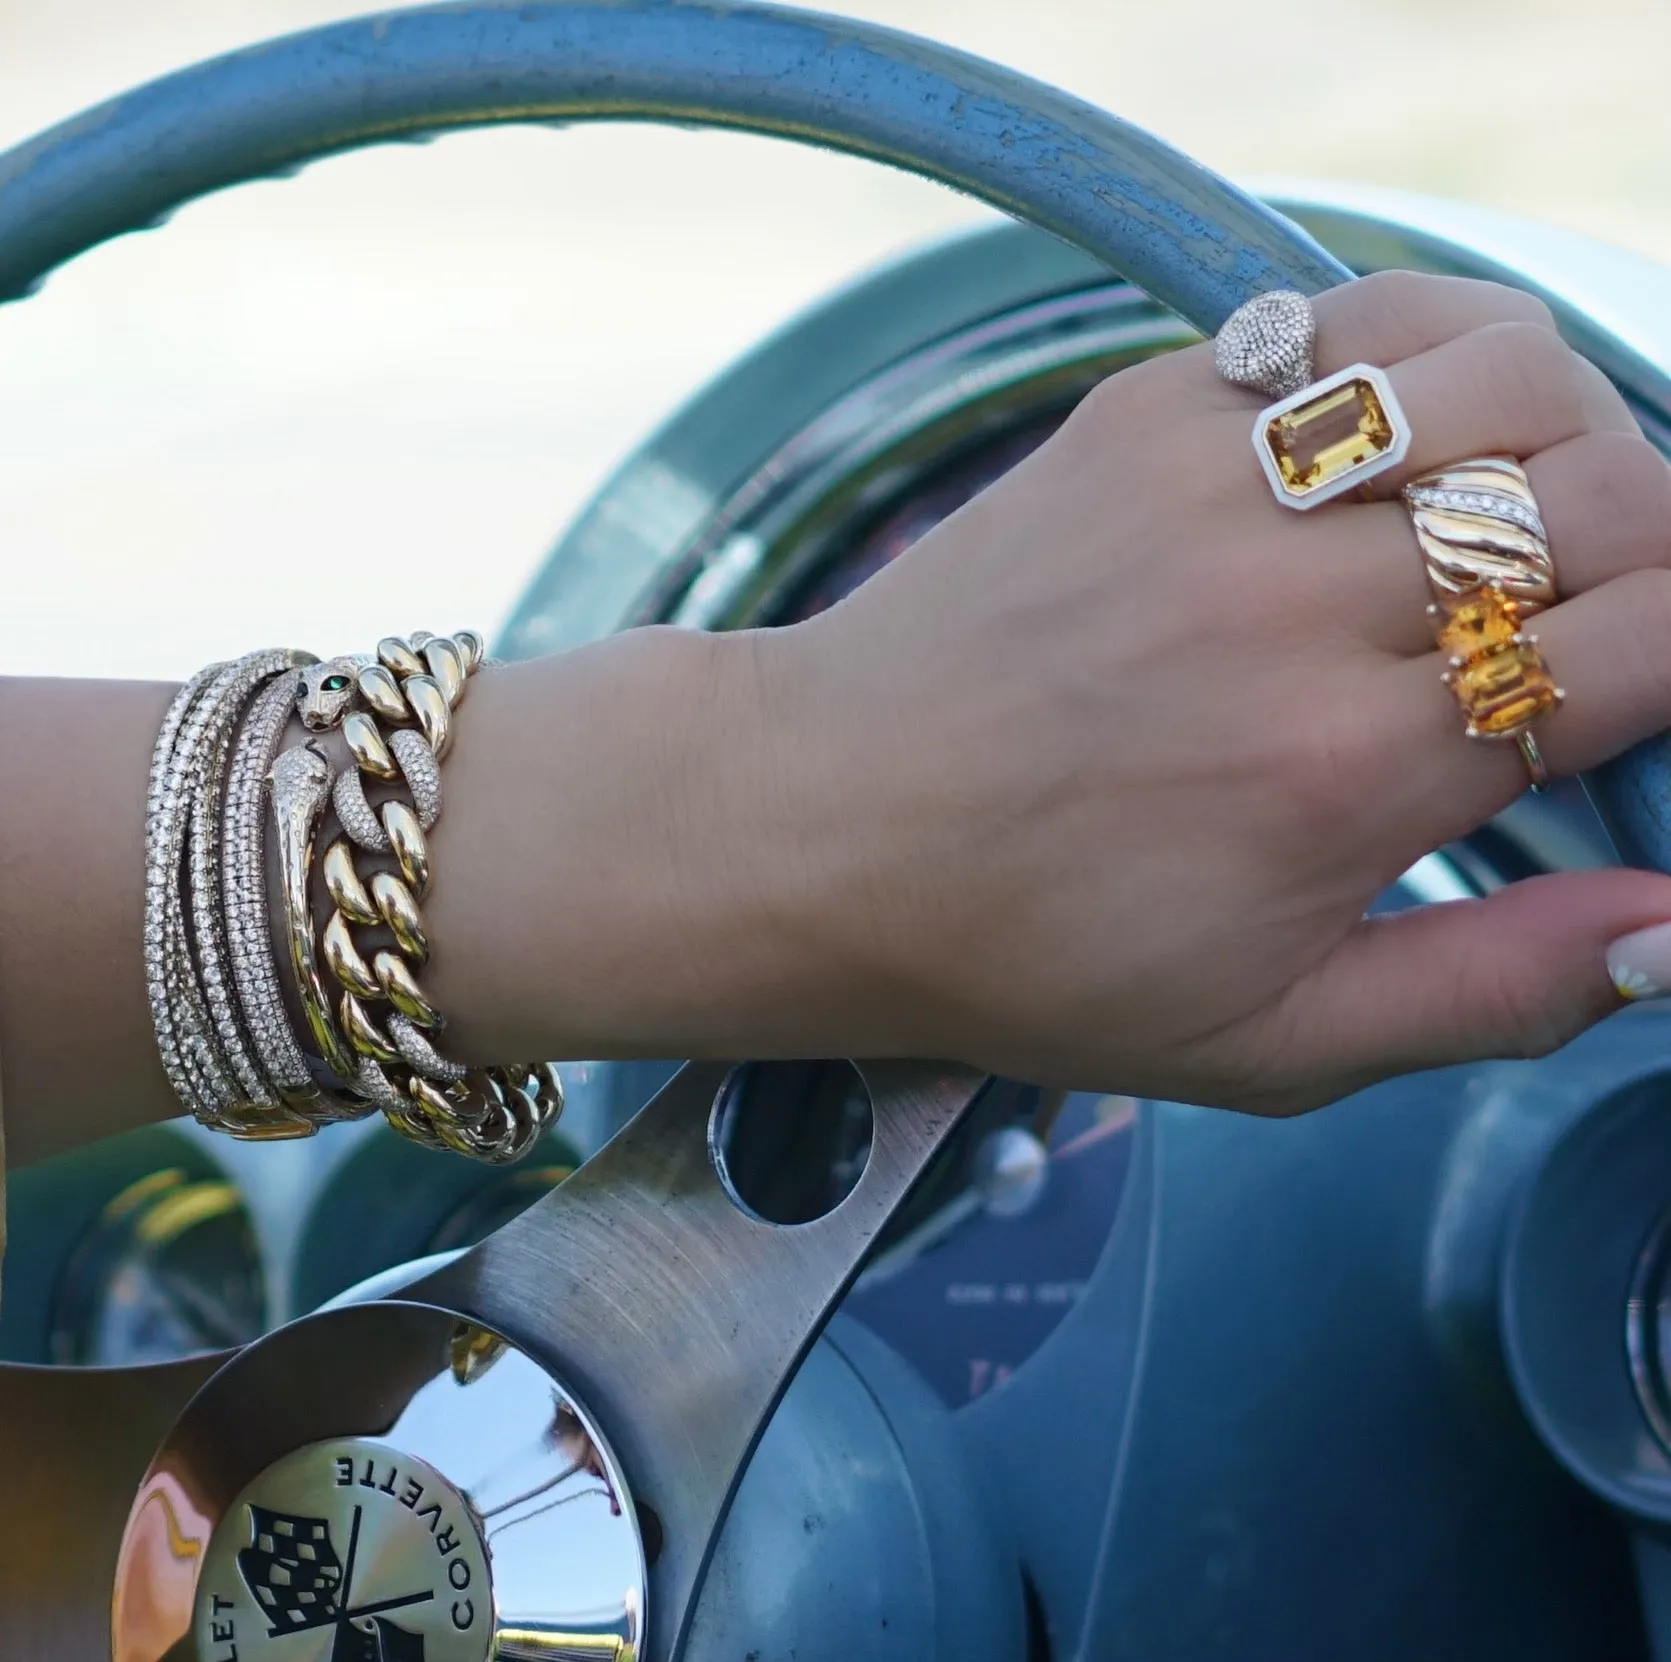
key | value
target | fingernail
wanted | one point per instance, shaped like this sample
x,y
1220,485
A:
x,y
1640,964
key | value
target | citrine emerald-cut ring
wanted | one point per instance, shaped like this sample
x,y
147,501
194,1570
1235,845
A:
x,y
1488,563
1331,437
1496,671
1321,438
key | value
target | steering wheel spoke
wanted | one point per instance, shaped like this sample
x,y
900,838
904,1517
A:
x,y
676,1316
540,1440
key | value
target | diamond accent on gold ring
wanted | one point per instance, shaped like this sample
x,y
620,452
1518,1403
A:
x,y
1478,502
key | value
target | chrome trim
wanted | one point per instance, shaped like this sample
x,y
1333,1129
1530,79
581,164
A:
x,y
1435,879
878,444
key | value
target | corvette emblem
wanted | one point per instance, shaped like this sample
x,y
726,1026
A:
x,y
346,1551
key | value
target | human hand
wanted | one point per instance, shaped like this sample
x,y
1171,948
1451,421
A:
x,y
1095,784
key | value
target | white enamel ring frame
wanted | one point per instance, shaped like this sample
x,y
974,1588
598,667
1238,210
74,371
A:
x,y
1353,477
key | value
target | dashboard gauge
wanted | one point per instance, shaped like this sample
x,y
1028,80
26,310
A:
x,y
137,1249
170,1267
983,1266
932,501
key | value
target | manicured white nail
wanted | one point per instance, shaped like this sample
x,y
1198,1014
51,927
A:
x,y
1640,964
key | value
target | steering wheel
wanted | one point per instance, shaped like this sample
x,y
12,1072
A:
x,y
633,1333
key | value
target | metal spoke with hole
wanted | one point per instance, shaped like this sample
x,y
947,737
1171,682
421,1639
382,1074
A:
x,y
675,1317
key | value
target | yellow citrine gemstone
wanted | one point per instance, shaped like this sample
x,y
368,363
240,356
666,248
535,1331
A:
x,y
1503,691
1501,683
1482,620
1317,441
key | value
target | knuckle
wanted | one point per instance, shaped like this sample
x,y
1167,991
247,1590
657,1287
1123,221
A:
x,y
1514,1016
1394,306
1510,305
1520,368
1414,297
1406,294
1626,478
1106,407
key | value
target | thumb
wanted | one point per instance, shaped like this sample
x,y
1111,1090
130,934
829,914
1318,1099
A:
x,y
1516,973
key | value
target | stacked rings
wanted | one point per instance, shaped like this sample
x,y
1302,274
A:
x,y
1320,439
1482,538
1488,564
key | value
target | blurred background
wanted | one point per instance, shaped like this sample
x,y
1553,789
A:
x,y
311,411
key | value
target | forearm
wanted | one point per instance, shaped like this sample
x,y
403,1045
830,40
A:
x,y
77,1059
622,867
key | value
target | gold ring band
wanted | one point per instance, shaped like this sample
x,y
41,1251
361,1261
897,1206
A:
x,y
1533,758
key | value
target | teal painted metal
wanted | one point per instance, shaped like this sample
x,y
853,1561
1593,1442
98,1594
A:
x,y
1189,238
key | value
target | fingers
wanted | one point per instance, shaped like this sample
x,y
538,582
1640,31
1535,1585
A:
x,y
1508,389
1606,649
1393,315
1515,974
1606,503
1384,319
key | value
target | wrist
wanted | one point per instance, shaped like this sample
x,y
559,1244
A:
x,y
632,859
839,881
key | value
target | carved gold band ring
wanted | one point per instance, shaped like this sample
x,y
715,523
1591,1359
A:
x,y
1489,566
1477,523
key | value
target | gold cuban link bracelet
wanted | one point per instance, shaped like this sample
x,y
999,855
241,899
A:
x,y
395,714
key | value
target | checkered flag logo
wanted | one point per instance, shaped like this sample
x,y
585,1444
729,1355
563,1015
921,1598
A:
x,y
292,1570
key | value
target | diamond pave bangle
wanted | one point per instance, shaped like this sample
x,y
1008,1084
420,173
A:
x,y
201,1038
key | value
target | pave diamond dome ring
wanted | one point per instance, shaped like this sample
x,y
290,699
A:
x,y
1266,344
1321,438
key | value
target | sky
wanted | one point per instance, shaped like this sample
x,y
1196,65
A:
x,y
366,399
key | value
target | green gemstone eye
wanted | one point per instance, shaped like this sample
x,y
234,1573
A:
x,y
334,683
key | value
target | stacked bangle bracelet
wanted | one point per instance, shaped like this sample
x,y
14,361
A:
x,y
221,780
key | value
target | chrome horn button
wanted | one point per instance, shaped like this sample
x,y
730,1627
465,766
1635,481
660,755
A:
x,y
382,1483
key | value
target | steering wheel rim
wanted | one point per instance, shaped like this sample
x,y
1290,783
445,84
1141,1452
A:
x,y
1194,242
1189,238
